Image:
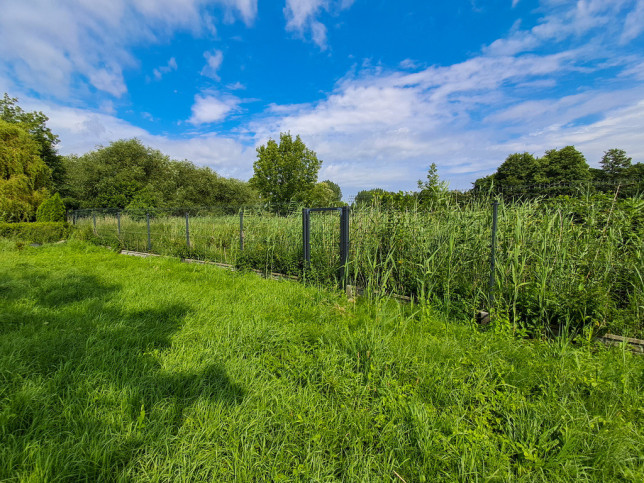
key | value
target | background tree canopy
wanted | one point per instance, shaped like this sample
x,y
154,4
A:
x,y
24,177
35,124
286,171
128,173
521,174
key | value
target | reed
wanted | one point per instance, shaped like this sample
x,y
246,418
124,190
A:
x,y
561,265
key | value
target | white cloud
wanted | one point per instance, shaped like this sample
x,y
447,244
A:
x,y
213,62
384,128
210,108
634,24
380,128
83,130
68,48
159,72
246,8
566,21
236,86
301,17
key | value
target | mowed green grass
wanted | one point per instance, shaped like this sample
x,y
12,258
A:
x,y
122,369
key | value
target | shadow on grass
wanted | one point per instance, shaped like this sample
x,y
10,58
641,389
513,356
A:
x,y
81,369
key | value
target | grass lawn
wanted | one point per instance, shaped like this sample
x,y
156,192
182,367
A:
x,y
116,368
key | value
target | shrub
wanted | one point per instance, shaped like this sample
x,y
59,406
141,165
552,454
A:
x,y
35,232
52,209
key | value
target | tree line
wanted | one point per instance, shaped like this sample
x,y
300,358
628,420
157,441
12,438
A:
x,y
560,172
128,175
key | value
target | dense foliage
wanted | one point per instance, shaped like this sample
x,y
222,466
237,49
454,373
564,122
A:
x,y
125,173
564,264
287,171
24,177
128,174
562,172
35,123
52,209
48,232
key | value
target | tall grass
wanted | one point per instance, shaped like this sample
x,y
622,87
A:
x,y
562,264
125,369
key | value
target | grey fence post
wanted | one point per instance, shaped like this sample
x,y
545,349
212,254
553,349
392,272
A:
x,y
94,221
306,236
187,230
495,212
118,223
344,245
241,229
147,218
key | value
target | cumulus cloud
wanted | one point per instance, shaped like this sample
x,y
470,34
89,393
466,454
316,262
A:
x,y
213,62
73,47
380,128
159,72
83,130
301,17
211,108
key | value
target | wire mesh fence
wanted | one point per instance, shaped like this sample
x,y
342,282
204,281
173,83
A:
x,y
556,263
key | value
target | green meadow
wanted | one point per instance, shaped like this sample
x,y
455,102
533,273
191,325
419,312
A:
x,y
115,368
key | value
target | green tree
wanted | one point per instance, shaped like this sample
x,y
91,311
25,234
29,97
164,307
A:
x,y
35,123
484,186
615,164
286,170
52,209
516,176
189,185
432,190
127,172
321,195
337,192
112,176
566,165
634,180
518,172
369,197
24,177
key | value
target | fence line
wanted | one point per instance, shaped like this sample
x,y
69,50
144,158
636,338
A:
x,y
539,264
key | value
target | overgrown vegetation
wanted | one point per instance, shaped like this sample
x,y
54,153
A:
x,y
109,375
24,178
52,209
46,232
563,264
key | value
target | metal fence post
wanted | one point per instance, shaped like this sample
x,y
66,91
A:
x,y
147,218
94,221
306,236
187,230
495,211
241,229
118,223
344,245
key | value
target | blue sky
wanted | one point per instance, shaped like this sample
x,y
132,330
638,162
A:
x,y
379,89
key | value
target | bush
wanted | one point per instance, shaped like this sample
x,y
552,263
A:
x,y
52,209
35,232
